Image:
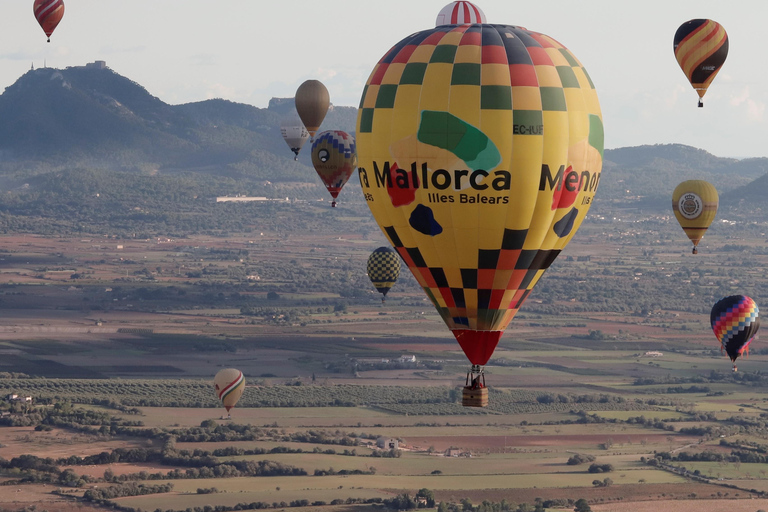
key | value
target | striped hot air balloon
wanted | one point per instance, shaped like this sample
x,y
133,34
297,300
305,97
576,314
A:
x,y
229,385
458,13
735,322
383,269
701,47
334,159
49,14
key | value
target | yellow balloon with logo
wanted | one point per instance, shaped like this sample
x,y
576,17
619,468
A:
x,y
695,205
480,150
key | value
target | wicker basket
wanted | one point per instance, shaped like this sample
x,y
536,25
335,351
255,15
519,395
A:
x,y
474,397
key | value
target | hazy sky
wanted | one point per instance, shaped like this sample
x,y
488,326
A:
x,y
251,50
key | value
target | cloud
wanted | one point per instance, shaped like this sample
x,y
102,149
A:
x,y
204,59
741,98
219,91
325,73
755,110
672,97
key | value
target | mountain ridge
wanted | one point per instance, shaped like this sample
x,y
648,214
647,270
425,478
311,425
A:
x,y
92,117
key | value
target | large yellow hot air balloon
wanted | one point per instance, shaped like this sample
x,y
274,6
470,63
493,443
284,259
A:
x,y
229,385
695,205
312,102
701,47
479,153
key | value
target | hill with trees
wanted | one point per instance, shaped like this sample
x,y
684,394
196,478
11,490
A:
x,y
84,148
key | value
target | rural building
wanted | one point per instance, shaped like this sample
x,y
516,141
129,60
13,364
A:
x,y
16,398
407,359
388,443
654,353
245,199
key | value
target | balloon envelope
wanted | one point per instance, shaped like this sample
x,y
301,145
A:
x,y
694,203
334,158
48,14
312,102
294,134
479,153
229,385
701,47
383,269
458,13
735,322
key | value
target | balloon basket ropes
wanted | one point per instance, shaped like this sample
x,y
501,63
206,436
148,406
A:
x,y
475,394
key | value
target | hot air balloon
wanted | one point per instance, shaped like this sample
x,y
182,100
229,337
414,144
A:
x,y
701,47
458,13
48,14
479,153
294,134
229,385
334,159
312,102
735,322
695,205
383,269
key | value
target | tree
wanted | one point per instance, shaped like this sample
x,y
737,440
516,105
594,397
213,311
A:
x,y
428,495
580,458
582,505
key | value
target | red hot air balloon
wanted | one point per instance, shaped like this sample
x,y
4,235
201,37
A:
x,y
48,14
334,159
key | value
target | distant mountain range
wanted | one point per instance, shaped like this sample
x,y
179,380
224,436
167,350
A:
x,y
91,117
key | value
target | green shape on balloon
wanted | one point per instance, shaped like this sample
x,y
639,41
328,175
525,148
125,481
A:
x,y
446,131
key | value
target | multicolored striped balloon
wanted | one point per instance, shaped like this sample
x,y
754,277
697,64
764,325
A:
x,y
383,269
334,159
48,14
735,322
458,13
701,47
229,385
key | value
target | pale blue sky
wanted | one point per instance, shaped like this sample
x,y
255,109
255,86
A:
x,y
251,50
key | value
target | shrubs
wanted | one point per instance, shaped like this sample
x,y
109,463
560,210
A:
x,y
600,468
580,458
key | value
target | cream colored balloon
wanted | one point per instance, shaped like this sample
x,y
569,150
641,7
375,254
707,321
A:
x,y
229,385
